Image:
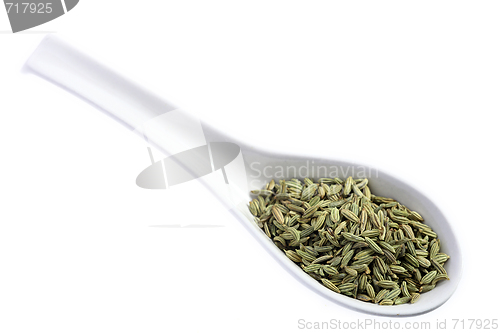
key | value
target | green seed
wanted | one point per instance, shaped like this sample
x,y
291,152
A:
x,y
386,246
262,192
347,257
351,271
346,287
414,297
427,287
386,302
370,291
393,294
330,285
429,277
402,300
293,256
349,215
278,215
352,238
387,284
397,269
330,270
381,295
312,268
373,245
348,186
364,298
371,233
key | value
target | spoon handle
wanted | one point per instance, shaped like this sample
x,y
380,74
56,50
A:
x,y
193,150
72,70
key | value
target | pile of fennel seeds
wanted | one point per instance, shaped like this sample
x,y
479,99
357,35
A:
x,y
371,248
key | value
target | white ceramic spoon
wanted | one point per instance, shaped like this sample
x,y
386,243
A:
x,y
230,168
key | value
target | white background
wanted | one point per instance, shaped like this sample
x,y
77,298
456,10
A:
x,y
410,88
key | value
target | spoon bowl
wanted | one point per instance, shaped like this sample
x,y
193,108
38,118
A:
x,y
382,184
